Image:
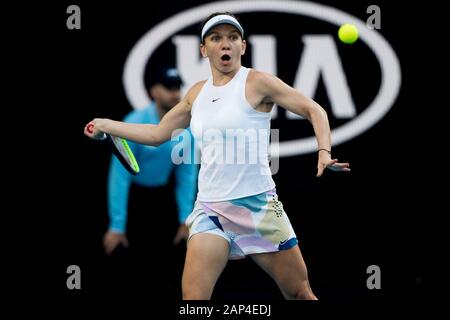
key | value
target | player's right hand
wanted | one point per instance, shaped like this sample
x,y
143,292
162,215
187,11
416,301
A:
x,y
112,239
92,132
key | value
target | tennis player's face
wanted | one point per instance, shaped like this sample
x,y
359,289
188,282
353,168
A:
x,y
224,48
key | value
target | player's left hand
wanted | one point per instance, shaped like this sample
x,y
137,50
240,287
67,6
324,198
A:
x,y
331,164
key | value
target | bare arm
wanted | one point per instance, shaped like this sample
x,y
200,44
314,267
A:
x,y
270,88
178,117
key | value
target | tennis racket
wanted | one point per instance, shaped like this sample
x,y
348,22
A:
x,y
121,149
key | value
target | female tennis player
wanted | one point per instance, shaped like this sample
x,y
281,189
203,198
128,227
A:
x,y
237,212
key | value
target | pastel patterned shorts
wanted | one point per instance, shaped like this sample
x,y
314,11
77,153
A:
x,y
253,224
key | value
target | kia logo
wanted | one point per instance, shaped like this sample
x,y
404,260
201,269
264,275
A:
x,y
134,69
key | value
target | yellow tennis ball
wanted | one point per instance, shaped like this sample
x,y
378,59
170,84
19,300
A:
x,y
348,33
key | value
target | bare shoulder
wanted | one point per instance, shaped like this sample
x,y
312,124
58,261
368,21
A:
x,y
193,92
262,82
260,77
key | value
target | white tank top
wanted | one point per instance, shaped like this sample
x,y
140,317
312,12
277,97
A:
x,y
233,139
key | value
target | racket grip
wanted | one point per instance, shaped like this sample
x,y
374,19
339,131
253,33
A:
x,y
90,129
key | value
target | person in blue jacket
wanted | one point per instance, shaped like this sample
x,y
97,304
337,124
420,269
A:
x,y
147,211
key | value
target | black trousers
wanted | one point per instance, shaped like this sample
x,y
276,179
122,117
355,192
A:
x,y
152,265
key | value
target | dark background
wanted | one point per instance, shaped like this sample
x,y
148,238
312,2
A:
x,y
387,212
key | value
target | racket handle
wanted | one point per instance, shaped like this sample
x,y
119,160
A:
x,y
91,130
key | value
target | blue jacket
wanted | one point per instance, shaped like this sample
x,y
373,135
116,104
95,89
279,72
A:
x,y
156,167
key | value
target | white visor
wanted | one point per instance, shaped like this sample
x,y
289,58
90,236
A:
x,y
221,19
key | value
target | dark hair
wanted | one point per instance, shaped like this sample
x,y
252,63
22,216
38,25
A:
x,y
212,15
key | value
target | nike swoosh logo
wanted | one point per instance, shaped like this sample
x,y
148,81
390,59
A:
x,y
283,242
214,100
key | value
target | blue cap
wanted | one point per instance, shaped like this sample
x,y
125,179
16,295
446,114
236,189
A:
x,y
169,78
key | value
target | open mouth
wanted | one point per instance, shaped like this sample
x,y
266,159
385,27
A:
x,y
225,57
